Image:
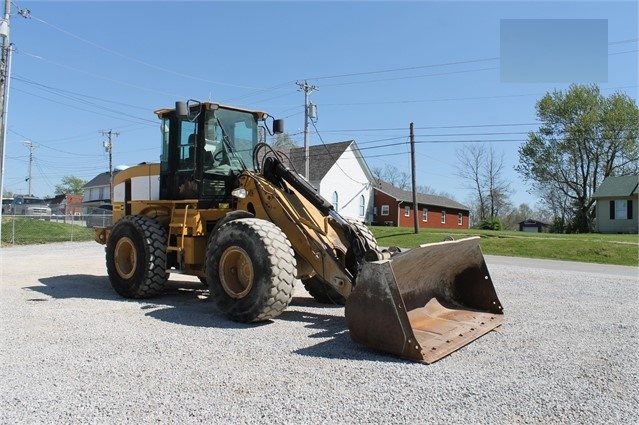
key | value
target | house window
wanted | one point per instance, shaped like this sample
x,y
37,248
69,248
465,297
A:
x,y
101,193
621,209
443,217
384,209
425,214
335,201
375,210
362,206
407,211
460,219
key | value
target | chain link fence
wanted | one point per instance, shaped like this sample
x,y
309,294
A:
x,y
39,229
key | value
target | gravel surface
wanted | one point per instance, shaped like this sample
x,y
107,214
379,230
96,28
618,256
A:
x,y
74,352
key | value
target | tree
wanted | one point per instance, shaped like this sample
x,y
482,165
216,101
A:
x,y
498,190
482,168
558,206
284,141
470,162
70,185
392,176
584,138
517,215
378,175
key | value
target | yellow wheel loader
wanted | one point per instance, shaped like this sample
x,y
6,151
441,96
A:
x,y
224,207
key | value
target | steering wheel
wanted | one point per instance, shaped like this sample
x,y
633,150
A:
x,y
218,157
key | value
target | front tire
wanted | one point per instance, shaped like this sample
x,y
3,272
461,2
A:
x,y
136,257
250,267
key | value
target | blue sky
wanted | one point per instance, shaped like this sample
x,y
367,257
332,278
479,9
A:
x,y
83,67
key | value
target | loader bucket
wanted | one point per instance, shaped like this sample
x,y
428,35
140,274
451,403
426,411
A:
x,y
425,303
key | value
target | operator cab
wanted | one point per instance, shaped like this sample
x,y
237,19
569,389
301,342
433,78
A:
x,y
205,147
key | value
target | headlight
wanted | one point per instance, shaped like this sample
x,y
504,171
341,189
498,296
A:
x,y
240,192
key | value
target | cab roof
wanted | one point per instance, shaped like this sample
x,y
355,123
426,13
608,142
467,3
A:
x,y
212,105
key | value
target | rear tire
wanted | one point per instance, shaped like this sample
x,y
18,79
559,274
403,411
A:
x,y
322,292
136,257
250,267
365,232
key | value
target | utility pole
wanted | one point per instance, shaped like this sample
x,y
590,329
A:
x,y
29,144
412,169
307,90
5,57
108,147
5,71
5,78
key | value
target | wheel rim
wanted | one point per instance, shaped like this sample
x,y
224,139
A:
x,y
236,272
126,258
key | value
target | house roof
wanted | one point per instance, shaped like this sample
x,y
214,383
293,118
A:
x,y
617,186
101,179
321,158
422,198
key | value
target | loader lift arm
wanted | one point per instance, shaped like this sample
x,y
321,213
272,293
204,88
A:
x,y
328,247
276,172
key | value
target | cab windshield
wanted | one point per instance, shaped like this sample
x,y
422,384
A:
x,y
230,136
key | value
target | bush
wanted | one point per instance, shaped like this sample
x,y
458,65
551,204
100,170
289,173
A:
x,y
492,223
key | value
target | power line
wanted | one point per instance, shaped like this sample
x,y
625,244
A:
x,y
409,68
334,160
412,77
72,94
141,62
124,117
437,127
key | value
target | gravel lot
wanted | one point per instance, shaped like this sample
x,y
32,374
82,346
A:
x,y
74,352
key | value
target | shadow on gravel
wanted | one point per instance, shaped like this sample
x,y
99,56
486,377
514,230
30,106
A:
x,y
343,348
310,302
76,286
333,330
187,304
183,303
327,326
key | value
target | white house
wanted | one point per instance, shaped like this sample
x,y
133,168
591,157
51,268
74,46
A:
x,y
97,189
617,200
340,174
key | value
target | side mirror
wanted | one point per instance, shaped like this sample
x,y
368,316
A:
x,y
278,126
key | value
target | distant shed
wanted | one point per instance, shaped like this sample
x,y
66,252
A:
x,y
533,226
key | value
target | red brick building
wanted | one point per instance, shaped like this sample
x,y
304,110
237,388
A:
x,y
66,204
394,207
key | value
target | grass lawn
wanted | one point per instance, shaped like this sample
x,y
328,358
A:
x,y
591,248
29,231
